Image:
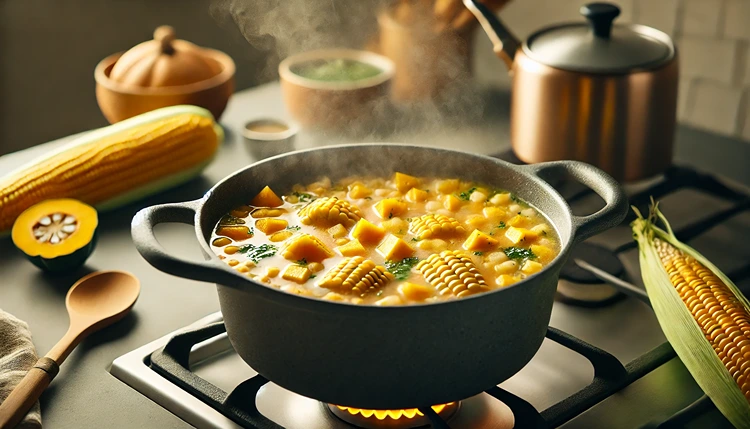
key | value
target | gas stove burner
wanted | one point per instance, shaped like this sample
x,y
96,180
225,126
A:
x,y
580,287
391,419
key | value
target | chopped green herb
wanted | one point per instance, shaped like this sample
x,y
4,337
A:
x,y
415,239
427,190
400,232
479,253
256,253
312,276
302,261
518,201
402,268
519,253
466,195
501,225
368,198
303,197
294,227
390,215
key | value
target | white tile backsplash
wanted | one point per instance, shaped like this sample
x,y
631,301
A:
x,y
713,43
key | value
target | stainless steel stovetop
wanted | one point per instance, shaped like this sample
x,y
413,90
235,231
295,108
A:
x,y
627,329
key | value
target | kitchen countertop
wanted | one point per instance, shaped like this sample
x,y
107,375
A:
x,y
85,395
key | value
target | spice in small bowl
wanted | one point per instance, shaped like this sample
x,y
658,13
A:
x,y
268,137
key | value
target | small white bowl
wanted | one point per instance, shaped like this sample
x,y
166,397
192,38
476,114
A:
x,y
263,144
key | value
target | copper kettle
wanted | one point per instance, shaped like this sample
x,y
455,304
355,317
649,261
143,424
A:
x,y
594,92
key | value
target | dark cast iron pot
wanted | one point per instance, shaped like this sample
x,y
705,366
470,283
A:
x,y
383,357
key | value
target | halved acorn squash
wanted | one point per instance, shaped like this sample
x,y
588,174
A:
x,y
56,235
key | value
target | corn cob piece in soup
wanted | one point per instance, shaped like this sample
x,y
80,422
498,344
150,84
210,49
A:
x,y
386,241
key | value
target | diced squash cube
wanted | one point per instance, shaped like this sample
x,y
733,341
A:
x,y
476,221
272,272
394,248
367,232
266,198
480,242
235,232
451,202
352,248
341,241
518,220
506,280
416,195
415,292
543,252
390,207
518,235
494,214
531,267
404,182
280,236
261,213
296,273
270,225
306,247
359,191
337,231
396,226
447,186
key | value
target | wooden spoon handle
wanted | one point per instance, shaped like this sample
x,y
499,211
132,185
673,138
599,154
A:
x,y
28,391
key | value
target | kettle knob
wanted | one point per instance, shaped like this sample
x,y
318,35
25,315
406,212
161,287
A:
x,y
600,16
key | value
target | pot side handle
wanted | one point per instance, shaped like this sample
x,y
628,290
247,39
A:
x,y
142,231
616,202
504,43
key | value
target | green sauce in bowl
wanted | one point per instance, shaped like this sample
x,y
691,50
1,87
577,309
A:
x,y
336,70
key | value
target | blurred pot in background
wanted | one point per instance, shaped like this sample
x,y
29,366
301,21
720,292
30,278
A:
x,y
163,72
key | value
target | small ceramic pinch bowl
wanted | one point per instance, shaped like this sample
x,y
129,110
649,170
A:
x,y
265,137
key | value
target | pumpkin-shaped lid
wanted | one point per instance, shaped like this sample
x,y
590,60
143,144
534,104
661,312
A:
x,y
164,61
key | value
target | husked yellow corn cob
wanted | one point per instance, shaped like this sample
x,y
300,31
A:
x,y
723,319
329,211
435,226
356,275
453,272
124,163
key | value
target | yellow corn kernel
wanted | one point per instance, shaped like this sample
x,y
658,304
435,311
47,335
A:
x,y
296,273
436,226
453,273
531,267
266,198
367,233
518,221
337,231
394,249
542,252
447,186
416,195
451,202
280,236
396,226
235,232
359,191
243,269
341,241
315,267
272,272
250,264
100,167
480,242
356,275
306,247
404,182
390,207
505,280
261,213
328,211
518,235
389,301
232,262
415,292
231,250
270,225
352,248
221,242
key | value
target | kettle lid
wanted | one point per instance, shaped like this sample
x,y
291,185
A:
x,y
599,46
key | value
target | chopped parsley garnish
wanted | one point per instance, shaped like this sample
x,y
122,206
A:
x,y
368,198
312,276
293,228
302,262
519,253
303,197
256,253
467,194
479,253
415,239
501,225
390,215
401,269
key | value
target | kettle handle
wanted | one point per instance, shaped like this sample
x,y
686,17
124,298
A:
x,y
504,43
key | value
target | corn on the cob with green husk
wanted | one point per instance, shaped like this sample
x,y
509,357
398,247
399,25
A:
x,y
702,313
117,164
329,211
435,226
356,275
453,273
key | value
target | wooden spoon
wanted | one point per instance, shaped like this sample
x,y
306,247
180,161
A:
x,y
94,302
